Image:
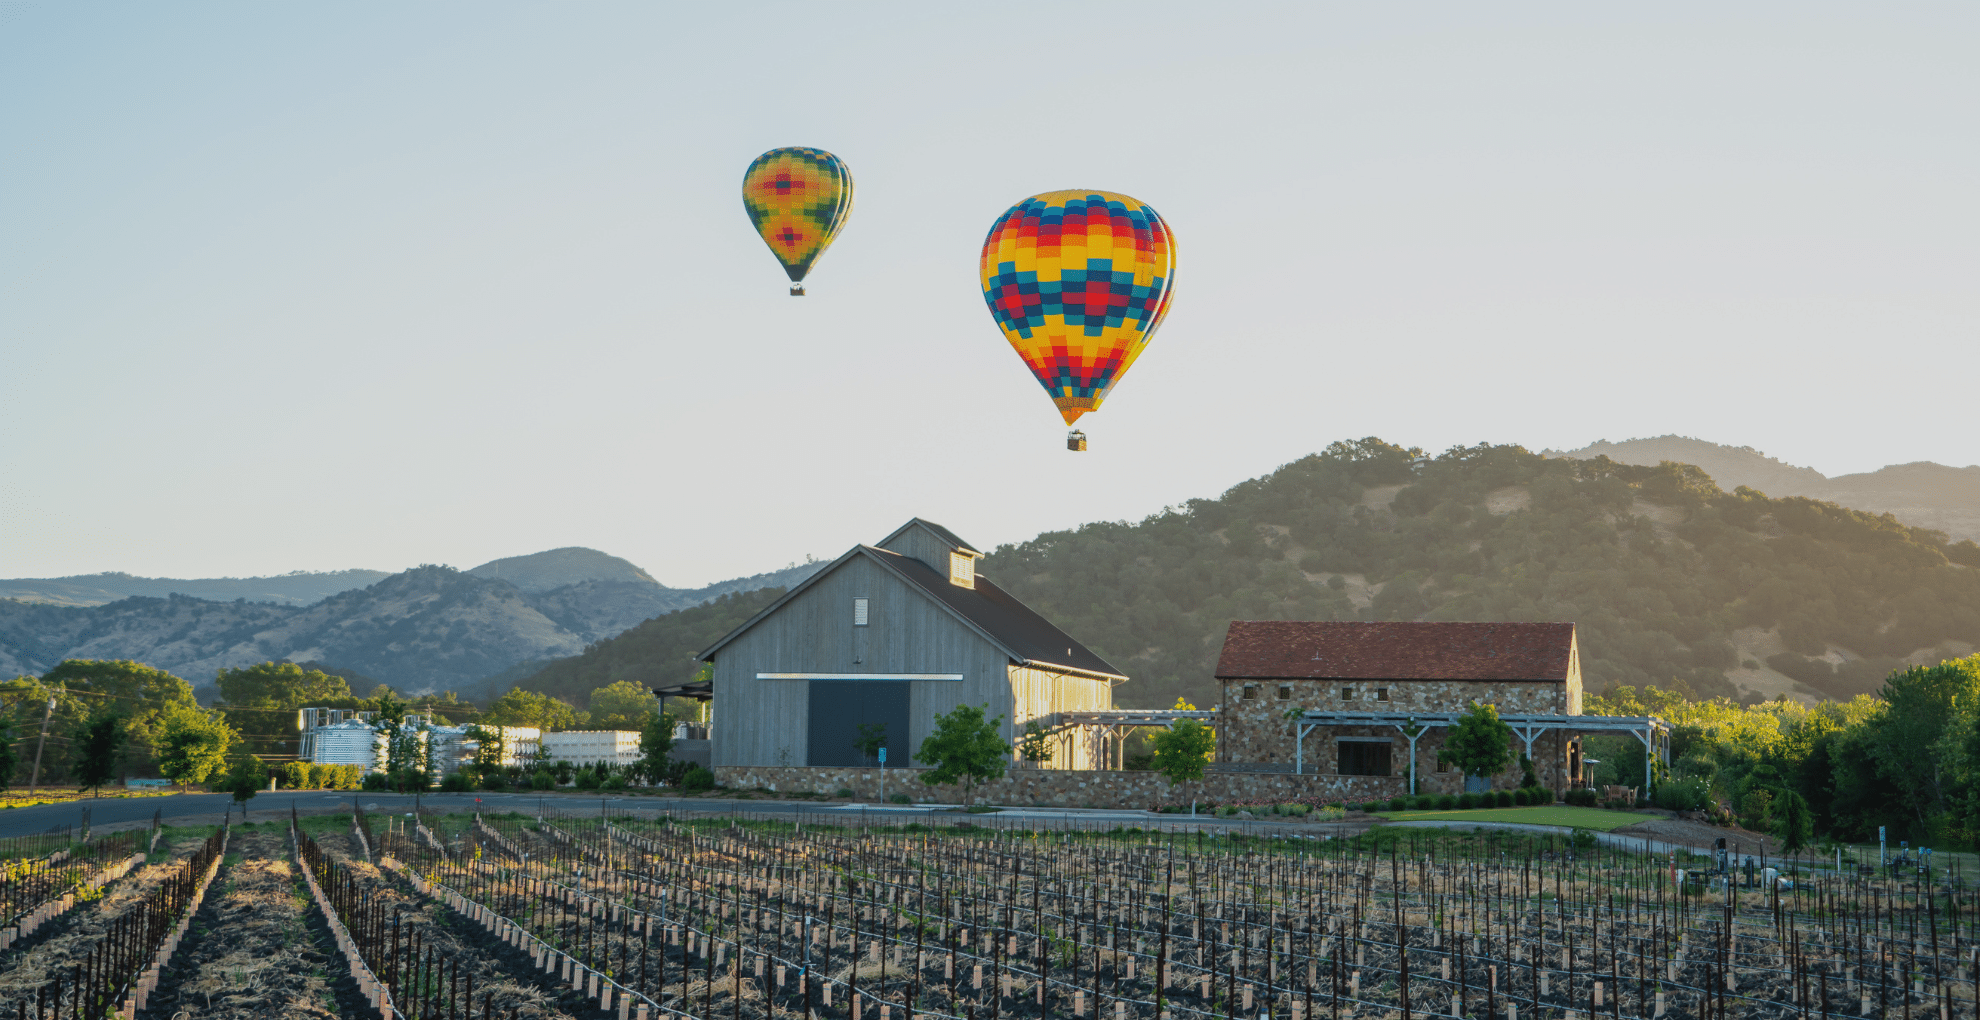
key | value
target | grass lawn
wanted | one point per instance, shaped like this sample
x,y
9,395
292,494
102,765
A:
x,y
1559,814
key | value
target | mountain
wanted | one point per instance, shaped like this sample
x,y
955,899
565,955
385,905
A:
x,y
539,572
659,651
300,588
427,629
1922,494
1671,579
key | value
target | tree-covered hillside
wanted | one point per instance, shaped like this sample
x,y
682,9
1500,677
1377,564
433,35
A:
x,y
1669,577
659,651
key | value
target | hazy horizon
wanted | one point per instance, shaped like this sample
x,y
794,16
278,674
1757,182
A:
x,y
321,288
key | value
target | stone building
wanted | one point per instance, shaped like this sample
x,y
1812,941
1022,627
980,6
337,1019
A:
x,y
1376,699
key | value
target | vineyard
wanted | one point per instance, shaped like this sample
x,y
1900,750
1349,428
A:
x,y
469,917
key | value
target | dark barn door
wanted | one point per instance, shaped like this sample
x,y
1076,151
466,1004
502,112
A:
x,y
838,707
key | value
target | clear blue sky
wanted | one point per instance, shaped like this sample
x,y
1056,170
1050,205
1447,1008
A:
x,y
313,286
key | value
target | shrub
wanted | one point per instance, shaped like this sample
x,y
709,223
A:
x,y
617,782
1505,798
543,779
376,781
1522,797
1467,800
457,782
1446,802
1399,804
1295,810
698,778
1226,811
843,792
1688,794
494,781
588,780
899,798
1583,797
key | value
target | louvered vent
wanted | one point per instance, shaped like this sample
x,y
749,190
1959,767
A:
x,y
859,612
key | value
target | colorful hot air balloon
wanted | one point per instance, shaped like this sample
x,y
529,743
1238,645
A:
x,y
1078,281
798,199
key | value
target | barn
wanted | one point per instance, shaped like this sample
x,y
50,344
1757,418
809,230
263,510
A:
x,y
880,642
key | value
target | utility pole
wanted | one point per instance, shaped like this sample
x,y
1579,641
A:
x,y
35,780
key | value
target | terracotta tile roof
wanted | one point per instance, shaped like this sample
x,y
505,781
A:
x,y
1266,649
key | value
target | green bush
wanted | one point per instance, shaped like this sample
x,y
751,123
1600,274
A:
x,y
843,792
1583,797
376,781
1446,802
899,798
1504,798
698,778
1688,794
1399,804
617,783
457,782
494,781
588,780
1467,801
543,779
1295,810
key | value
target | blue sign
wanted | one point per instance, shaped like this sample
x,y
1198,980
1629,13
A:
x,y
883,756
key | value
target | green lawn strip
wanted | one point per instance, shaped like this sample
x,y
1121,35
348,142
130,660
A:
x,y
1568,817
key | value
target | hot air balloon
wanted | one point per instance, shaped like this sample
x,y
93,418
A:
x,y
798,198
1078,281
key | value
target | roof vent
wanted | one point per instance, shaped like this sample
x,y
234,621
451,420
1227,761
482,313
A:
x,y
962,570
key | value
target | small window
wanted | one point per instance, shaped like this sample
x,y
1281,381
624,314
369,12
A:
x,y
1285,692
1443,766
859,612
962,570
1347,694
1250,692
1381,694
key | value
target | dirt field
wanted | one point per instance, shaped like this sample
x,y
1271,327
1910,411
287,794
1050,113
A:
x,y
1701,835
251,950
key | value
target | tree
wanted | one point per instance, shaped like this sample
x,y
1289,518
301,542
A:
x,y
99,745
192,744
527,708
408,761
1796,823
491,754
1481,743
1182,748
245,779
964,746
279,685
623,705
656,742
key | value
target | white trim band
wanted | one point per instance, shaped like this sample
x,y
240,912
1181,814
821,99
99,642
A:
x,y
859,676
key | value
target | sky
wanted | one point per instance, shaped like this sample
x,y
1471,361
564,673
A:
x,y
320,286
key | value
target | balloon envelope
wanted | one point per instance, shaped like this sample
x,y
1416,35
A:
x,y
797,199
1078,281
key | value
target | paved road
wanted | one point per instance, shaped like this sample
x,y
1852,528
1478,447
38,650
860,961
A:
x,y
209,807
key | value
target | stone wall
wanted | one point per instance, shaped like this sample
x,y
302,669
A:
x,y
1068,788
1256,729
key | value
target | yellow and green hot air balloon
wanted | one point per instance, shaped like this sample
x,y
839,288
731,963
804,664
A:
x,y
1078,281
798,199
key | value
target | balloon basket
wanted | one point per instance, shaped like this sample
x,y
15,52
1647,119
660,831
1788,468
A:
x,y
797,290
1076,441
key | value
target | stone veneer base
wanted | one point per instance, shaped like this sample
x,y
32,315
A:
x,y
1068,788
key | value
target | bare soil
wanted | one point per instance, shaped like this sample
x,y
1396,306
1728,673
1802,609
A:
x,y
1701,835
252,949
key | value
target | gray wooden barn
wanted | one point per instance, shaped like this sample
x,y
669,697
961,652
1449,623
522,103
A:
x,y
892,635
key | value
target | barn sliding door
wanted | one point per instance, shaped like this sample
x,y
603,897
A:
x,y
839,707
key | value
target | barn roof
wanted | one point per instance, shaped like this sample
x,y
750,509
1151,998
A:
x,y
1015,628
942,534
1276,650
